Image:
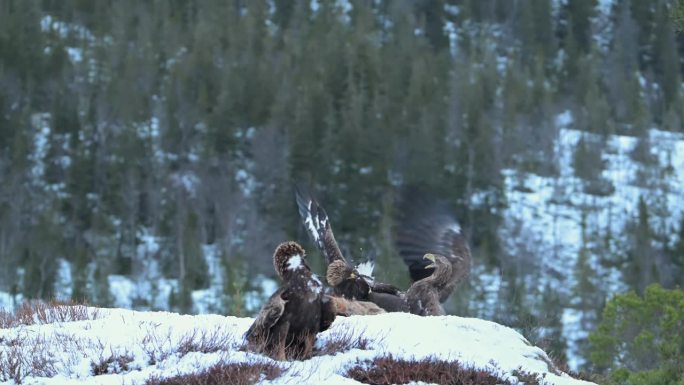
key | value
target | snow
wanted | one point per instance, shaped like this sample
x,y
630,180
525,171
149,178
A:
x,y
151,342
6,302
547,214
63,283
41,123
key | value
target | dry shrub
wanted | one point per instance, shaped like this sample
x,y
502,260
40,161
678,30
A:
x,y
41,312
205,341
389,370
114,363
224,373
300,349
22,356
157,347
342,342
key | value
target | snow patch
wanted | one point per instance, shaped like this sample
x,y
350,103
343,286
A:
x,y
152,341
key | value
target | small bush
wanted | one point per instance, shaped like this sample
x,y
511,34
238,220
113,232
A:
x,y
640,340
301,348
389,370
41,313
342,342
224,373
157,347
205,342
113,364
24,356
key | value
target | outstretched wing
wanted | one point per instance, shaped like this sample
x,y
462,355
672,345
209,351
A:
x,y
427,224
317,225
268,316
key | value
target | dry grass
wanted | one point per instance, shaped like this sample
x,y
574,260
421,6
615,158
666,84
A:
x,y
206,341
224,373
300,349
159,346
41,313
342,342
24,356
114,363
389,370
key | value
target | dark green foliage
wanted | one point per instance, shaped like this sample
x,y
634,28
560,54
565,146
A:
x,y
677,254
187,122
639,339
677,15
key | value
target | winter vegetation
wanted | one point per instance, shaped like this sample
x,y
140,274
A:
x,y
116,346
148,153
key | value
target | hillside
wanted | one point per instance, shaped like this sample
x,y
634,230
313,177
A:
x,y
148,150
115,346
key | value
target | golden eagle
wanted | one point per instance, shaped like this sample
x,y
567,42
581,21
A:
x,y
287,324
346,280
427,229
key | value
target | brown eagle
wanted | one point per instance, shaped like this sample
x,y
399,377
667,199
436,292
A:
x,y
287,324
346,280
427,225
423,296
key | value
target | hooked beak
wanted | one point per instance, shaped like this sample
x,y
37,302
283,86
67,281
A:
x,y
431,258
353,275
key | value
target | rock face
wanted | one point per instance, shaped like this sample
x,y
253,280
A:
x,y
160,345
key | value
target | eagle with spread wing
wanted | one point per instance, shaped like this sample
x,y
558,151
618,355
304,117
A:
x,y
427,225
423,296
288,322
428,238
351,282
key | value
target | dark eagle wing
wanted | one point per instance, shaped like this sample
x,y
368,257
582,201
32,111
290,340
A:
x,y
427,224
317,225
268,316
386,288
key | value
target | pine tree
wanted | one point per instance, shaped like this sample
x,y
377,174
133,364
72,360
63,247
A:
x,y
641,268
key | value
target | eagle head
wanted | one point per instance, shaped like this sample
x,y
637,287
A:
x,y
338,271
289,256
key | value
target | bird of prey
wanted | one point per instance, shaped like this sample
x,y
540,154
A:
x,y
348,281
427,225
423,296
287,324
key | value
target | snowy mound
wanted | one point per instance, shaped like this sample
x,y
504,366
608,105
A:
x,y
128,347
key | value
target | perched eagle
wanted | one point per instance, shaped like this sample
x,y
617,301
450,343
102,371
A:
x,y
427,225
423,296
348,281
287,324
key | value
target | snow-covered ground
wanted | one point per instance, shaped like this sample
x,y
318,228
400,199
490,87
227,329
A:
x,y
133,346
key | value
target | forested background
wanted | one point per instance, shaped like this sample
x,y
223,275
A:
x,y
148,149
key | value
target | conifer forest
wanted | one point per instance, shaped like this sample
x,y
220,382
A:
x,y
149,150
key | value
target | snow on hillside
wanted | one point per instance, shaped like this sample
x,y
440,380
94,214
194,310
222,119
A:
x,y
546,213
149,342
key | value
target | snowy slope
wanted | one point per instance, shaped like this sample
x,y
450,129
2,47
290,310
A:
x,y
543,220
150,342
